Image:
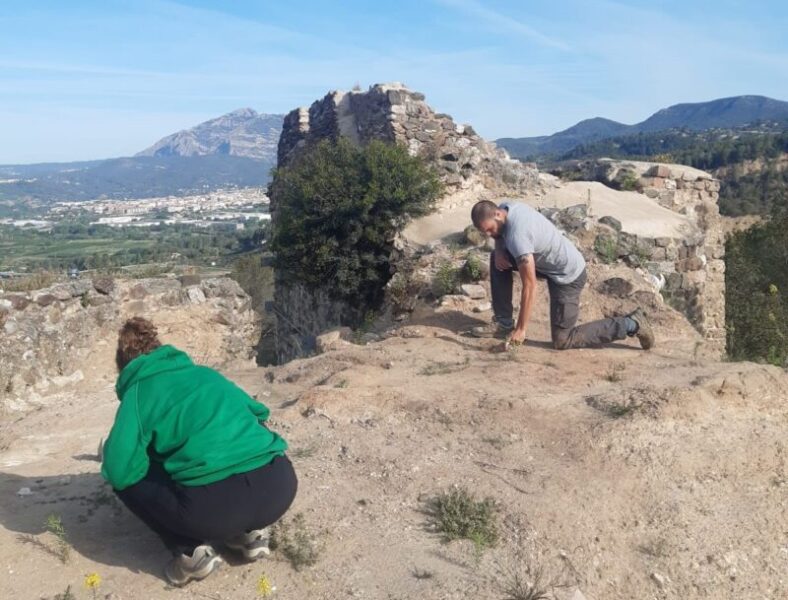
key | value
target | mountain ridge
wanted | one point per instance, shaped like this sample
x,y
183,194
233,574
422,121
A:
x,y
243,132
734,111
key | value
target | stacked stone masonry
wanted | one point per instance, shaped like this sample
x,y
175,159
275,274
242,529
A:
x,y
48,333
393,113
691,268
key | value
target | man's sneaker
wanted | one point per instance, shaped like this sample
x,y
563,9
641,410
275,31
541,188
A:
x,y
644,332
182,569
491,330
252,545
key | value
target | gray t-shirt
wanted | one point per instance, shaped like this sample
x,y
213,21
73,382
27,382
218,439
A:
x,y
527,231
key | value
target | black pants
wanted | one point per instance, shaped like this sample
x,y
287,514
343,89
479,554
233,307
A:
x,y
564,311
186,516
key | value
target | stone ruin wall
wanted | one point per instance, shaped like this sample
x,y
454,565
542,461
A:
x,y
49,333
691,268
393,113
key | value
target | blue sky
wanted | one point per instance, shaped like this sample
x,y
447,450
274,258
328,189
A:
x,y
93,79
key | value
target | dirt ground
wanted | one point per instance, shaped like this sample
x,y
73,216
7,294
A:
x,y
617,473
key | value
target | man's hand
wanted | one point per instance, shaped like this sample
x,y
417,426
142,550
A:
x,y
517,337
502,262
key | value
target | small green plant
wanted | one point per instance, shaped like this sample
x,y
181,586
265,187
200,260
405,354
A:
x,y
342,383
54,525
296,543
529,582
611,408
472,269
65,595
304,452
629,182
458,515
443,368
84,300
397,292
366,326
615,373
446,279
656,548
641,253
606,248
498,443
520,586
422,573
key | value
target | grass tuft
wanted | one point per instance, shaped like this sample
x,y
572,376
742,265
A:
x,y
54,525
296,543
458,515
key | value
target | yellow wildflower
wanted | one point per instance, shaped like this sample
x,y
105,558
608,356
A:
x,y
264,587
92,581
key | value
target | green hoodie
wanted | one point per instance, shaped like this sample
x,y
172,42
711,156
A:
x,y
199,425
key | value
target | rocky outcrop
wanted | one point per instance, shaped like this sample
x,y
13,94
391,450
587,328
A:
x,y
49,333
243,132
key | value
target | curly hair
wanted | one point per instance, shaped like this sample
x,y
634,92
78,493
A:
x,y
138,336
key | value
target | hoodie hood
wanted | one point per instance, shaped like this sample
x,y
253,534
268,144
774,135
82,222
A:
x,y
162,359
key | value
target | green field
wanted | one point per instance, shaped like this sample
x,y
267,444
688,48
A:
x,y
98,247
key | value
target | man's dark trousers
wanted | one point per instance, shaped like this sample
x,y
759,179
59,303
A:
x,y
564,310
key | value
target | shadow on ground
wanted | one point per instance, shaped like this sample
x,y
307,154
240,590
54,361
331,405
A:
x,y
96,523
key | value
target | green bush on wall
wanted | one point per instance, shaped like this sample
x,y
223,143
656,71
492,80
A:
x,y
337,211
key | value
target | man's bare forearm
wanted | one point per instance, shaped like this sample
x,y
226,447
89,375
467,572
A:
x,y
526,305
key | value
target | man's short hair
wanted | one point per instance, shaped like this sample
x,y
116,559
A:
x,y
482,211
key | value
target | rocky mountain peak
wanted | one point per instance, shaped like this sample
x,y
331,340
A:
x,y
243,132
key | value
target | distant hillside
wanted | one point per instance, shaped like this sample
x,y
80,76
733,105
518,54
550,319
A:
x,y
585,131
134,177
243,132
723,113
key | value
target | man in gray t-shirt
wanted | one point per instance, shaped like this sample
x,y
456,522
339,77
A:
x,y
525,238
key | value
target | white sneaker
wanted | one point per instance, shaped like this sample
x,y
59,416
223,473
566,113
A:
x,y
252,545
182,569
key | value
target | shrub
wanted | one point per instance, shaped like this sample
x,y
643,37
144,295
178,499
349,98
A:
x,y
338,209
458,515
472,269
446,279
606,248
628,181
295,542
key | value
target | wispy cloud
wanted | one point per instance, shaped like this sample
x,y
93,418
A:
x,y
85,69
502,22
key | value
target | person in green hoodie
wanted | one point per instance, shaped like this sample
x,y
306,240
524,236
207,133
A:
x,y
190,455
